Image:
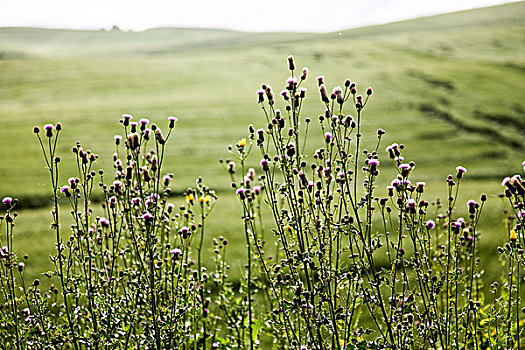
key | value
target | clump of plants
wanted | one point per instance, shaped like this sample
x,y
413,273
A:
x,y
346,264
357,266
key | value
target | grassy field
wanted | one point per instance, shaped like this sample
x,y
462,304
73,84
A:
x,y
450,87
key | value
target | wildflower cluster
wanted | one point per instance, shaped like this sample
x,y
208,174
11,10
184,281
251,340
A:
x,y
349,254
344,264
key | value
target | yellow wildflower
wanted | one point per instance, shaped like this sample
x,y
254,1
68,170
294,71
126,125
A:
x,y
513,235
242,142
190,198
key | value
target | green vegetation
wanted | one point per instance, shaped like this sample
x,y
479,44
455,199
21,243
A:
x,y
450,87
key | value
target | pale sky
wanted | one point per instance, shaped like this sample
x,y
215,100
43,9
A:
x,y
247,15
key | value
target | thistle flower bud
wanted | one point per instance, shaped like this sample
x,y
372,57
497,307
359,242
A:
x,y
302,93
324,94
166,179
154,163
291,64
369,91
36,129
133,141
320,80
159,137
304,74
117,139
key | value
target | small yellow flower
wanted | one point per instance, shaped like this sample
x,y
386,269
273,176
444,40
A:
x,y
288,228
190,198
242,142
207,198
513,235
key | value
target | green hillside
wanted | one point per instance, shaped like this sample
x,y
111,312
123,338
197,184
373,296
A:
x,y
450,87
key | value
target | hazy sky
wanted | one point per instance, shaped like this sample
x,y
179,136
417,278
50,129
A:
x,y
248,15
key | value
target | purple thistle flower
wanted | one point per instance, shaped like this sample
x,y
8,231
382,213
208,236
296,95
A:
x,y
328,137
104,222
127,118
176,253
461,170
184,232
240,192
430,224
395,183
118,185
65,190
260,94
291,81
405,169
49,129
172,121
147,217
7,201
265,165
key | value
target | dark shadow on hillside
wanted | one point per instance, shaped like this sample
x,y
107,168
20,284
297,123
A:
x,y
432,112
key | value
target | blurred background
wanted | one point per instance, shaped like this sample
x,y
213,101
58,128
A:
x,y
447,85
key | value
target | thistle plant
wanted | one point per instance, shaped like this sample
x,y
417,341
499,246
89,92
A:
x,y
344,262
357,266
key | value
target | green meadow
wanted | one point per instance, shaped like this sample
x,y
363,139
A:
x,y
449,87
